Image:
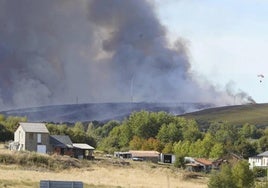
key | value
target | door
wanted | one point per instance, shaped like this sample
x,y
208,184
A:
x,y
41,149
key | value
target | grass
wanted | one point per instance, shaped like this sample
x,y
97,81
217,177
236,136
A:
x,y
255,114
101,173
38,161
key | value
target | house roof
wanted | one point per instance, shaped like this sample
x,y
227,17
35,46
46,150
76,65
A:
x,y
136,153
83,146
264,154
203,161
34,127
61,141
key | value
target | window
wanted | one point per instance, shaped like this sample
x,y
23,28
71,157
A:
x,y
38,138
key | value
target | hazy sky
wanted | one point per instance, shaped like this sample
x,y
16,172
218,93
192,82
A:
x,y
227,40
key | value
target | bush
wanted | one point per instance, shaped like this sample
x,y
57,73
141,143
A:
x,y
6,159
259,172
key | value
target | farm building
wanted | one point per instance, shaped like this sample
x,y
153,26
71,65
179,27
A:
x,y
83,151
260,160
31,137
152,156
198,164
35,137
167,158
123,155
61,145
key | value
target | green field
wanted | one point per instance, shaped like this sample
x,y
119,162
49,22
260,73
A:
x,y
256,114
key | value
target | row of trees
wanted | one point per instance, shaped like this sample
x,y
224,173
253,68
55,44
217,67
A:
x,y
158,131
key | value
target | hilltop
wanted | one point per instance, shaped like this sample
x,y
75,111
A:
x,y
102,112
256,114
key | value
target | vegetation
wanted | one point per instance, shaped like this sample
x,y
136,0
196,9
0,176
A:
x,y
34,160
238,176
209,134
254,114
159,131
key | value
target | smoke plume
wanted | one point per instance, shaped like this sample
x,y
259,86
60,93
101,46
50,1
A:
x,y
61,51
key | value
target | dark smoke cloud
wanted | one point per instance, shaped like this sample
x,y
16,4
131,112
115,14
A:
x,y
54,51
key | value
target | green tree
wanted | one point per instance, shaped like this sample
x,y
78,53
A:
x,y
263,143
168,148
111,143
243,176
169,133
182,148
216,151
206,145
223,178
247,149
78,133
190,130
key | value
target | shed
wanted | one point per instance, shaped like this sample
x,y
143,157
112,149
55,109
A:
x,y
61,144
123,155
83,151
152,156
167,158
206,164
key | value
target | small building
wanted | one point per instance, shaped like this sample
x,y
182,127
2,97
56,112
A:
x,y
204,163
167,158
31,137
61,145
260,160
153,156
83,151
123,155
198,164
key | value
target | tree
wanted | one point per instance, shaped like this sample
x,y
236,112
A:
x,y
206,145
78,133
136,143
190,130
247,149
152,144
168,148
216,151
238,176
243,176
223,178
182,148
169,133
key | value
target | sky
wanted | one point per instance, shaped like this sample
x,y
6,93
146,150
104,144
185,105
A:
x,y
89,51
227,40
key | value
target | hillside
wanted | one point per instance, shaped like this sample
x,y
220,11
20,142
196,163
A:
x,y
99,111
256,114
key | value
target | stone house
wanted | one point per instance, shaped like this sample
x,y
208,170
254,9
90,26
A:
x,y
31,137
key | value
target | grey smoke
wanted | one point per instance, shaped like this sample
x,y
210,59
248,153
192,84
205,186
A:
x,y
55,51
